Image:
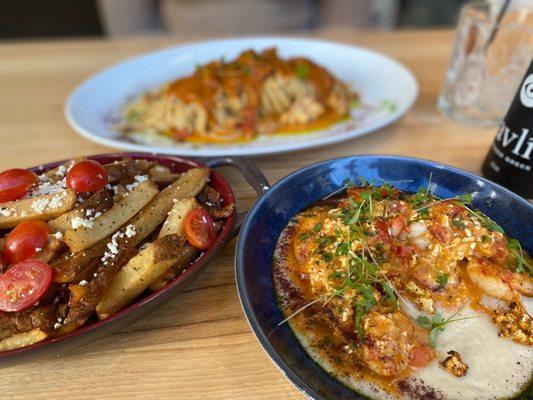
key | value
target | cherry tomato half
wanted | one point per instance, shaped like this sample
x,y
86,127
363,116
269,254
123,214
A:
x,y
15,183
87,177
23,284
24,240
200,229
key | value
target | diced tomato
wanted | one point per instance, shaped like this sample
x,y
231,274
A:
x,y
396,225
15,183
24,241
382,229
200,229
499,248
179,134
405,252
421,355
23,284
87,176
354,192
391,193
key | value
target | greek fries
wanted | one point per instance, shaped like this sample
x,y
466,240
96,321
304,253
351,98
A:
x,y
150,263
139,272
87,233
115,232
22,339
42,207
98,203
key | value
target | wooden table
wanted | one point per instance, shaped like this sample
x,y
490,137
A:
x,y
199,345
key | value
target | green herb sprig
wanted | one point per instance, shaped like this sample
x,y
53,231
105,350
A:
x,y
437,324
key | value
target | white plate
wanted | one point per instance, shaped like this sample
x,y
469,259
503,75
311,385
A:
x,y
388,89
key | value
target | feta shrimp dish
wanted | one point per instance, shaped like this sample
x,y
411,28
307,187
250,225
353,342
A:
x,y
408,296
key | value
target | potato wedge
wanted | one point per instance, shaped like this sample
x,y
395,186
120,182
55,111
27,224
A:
x,y
44,207
143,224
162,174
176,217
186,257
67,267
139,272
84,236
22,339
150,263
127,169
189,184
99,202
50,250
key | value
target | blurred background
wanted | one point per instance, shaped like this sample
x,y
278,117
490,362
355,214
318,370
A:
x,y
116,18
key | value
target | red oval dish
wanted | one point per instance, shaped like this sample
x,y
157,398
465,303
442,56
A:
x,y
93,331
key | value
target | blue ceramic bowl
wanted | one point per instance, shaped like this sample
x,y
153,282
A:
x,y
296,192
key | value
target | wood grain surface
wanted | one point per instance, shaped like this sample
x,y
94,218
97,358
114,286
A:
x,y
199,345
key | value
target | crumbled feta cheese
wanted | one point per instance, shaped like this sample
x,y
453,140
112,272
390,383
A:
x,y
59,323
47,187
130,230
57,201
40,205
83,282
111,187
7,212
89,212
138,180
112,246
76,222
58,235
61,170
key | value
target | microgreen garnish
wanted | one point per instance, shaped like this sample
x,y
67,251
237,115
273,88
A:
x,y
515,249
437,324
458,223
317,227
442,280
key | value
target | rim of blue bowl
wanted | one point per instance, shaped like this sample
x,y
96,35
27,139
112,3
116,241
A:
x,y
244,299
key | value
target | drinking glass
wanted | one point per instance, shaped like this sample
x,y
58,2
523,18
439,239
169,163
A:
x,y
482,79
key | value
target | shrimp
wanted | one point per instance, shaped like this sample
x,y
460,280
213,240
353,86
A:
x,y
386,349
497,281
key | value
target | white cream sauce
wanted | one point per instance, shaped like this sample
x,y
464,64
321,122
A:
x,y
498,368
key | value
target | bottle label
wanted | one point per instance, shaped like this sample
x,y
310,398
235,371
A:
x,y
509,161
514,148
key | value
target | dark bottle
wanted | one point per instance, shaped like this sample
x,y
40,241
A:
x,y
509,161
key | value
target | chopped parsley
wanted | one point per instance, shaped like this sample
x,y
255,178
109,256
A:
x,y
302,71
